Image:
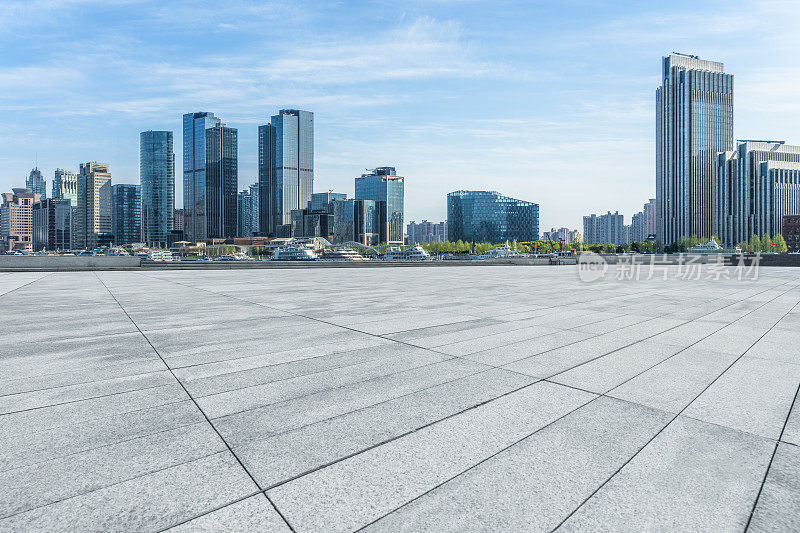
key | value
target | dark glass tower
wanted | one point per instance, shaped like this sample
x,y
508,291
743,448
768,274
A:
x,y
383,186
36,183
126,213
222,178
194,174
285,167
157,177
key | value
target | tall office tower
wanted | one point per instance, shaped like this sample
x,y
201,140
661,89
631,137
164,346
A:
x,y
52,224
16,219
195,126
93,214
157,177
604,229
179,216
126,213
285,168
638,231
355,221
649,211
754,187
65,186
488,216
383,186
247,216
36,183
694,121
222,180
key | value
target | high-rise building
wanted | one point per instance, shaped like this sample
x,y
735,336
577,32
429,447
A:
x,y
488,216
247,216
93,214
65,186
36,183
604,229
557,235
426,232
694,121
383,186
157,178
222,180
355,221
126,213
285,168
195,196
179,216
16,219
638,227
52,224
650,226
321,201
754,187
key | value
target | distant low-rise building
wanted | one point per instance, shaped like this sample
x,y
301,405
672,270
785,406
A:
x,y
52,224
488,216
426,232
16,220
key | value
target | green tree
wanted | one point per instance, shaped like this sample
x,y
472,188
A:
x,y
716,240
766,243
754,245
780,244
743,246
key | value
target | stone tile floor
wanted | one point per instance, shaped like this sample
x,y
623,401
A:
x,y
467,398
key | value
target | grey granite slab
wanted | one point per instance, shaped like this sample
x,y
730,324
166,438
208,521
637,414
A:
x,y
693,476
535,484
778,505
352,493
246,516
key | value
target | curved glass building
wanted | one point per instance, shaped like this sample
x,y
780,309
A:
x,y
488,216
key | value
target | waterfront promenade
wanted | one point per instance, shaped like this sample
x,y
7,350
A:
x,y
496,398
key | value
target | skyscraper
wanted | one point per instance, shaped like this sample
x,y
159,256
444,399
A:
x,y
93,214
694,121
126,214
650,226
755,186
65,186
248,211
52,224
605,229
157,177
488,216
194,174
222,180
285,168
383,186
36,183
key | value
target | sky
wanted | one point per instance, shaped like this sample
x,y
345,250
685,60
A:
x,y
550,102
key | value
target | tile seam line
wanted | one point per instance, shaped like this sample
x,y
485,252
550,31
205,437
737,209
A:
x,y
771,460
670,356
221,451
25,285
669,423
665,315
208,420
84,383
498,452
400,436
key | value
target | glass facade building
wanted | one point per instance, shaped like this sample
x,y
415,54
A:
x,y
694,122
36,183
157,178
755,186
355,221
126,218
65,186
285,167
222,181
194,174
52,224
248,211
488,216
383,186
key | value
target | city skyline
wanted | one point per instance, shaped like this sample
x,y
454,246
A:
x,y
429,101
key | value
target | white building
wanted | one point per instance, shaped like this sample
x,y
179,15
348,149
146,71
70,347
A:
x,y
425,232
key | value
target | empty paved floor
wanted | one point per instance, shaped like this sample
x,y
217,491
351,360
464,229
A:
x,y
465,398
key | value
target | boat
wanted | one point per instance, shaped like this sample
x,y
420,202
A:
x,y
412,253
501,252
294,253
342,254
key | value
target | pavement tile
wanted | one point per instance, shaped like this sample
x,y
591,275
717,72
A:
x,y
778,505
251,514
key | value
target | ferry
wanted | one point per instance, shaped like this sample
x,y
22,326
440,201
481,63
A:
x,y
501,252
412,253
342,254
294,253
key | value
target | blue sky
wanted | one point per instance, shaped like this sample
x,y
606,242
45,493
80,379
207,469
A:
x,y
551,102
